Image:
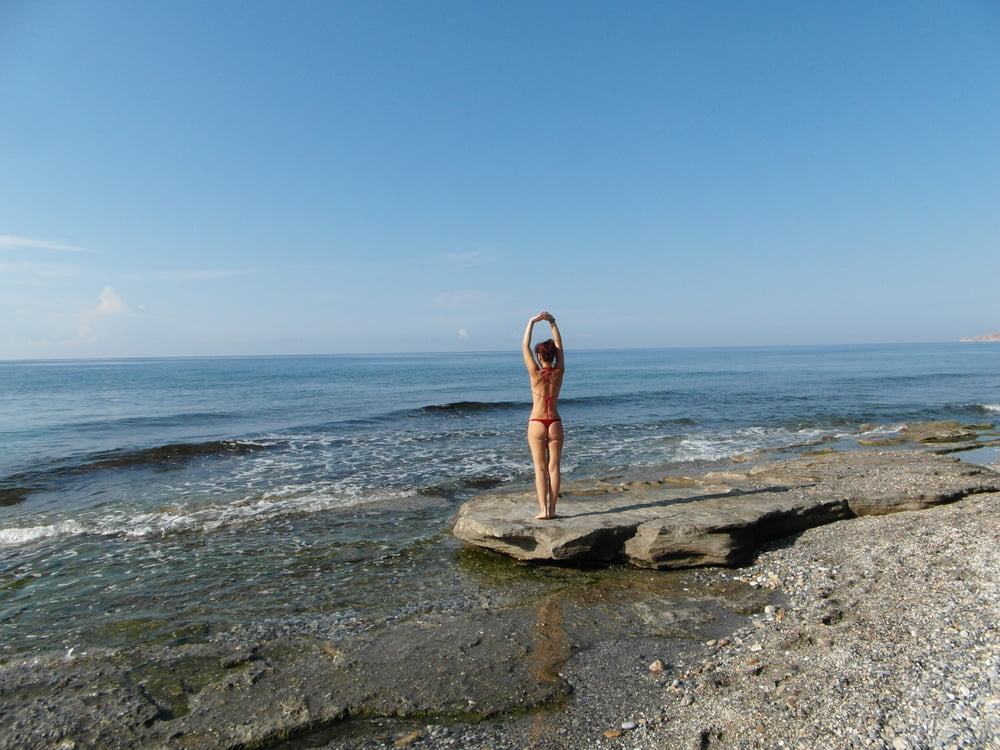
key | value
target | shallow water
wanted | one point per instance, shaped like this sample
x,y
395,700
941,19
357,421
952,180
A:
x,y
165,500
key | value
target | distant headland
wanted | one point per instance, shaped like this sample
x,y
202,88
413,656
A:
x,y
987,337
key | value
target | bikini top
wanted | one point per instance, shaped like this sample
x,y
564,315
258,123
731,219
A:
x,y
548,374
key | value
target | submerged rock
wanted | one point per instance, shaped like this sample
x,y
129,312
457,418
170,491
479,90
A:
x,y
940,432
719,519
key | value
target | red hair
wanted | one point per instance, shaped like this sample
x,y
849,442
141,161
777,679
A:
x,y
546,351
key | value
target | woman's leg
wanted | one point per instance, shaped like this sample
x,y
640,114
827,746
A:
x,y
539,443
555,446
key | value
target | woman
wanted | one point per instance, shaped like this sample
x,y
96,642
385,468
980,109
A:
x,y
545,432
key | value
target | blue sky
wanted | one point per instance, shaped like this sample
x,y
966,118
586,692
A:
x,y
202,178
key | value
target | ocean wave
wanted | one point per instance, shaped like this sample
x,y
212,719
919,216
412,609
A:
x,y
714,446
879,433
990,408
19,536
451,488
15,488
170,454
169,520
469,407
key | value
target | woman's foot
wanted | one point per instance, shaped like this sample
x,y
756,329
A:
x,y
544,517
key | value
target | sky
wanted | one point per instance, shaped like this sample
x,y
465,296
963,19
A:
x,y
200,178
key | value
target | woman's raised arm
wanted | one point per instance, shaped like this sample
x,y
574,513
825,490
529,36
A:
x,y
529,358
557,339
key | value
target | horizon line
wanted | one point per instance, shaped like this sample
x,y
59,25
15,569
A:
x,y
128,357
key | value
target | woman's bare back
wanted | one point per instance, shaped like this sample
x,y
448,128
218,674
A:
x,y
546,383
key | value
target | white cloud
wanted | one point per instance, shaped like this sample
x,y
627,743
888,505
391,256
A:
x,y
9,242
471,258
37,270
111,303
96,322
463,333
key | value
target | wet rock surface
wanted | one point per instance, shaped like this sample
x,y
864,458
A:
x,y
941,432
469,663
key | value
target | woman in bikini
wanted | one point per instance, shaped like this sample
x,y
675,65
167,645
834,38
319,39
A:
x,y
545,432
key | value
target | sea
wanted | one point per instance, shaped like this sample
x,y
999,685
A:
x,y
147,501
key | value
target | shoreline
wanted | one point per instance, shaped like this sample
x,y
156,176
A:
x,y
828,638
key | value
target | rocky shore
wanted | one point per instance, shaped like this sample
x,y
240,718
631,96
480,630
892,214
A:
x,y
878,631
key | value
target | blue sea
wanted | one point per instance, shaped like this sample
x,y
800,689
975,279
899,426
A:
x,y
165,500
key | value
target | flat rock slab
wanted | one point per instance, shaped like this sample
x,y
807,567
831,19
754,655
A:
x,y
718,519
217,696
941,432
875,482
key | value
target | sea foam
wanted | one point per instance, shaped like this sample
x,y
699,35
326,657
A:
x,y
179,519
26,535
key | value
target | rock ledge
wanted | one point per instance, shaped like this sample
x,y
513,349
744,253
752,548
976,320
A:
x,y
720,518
